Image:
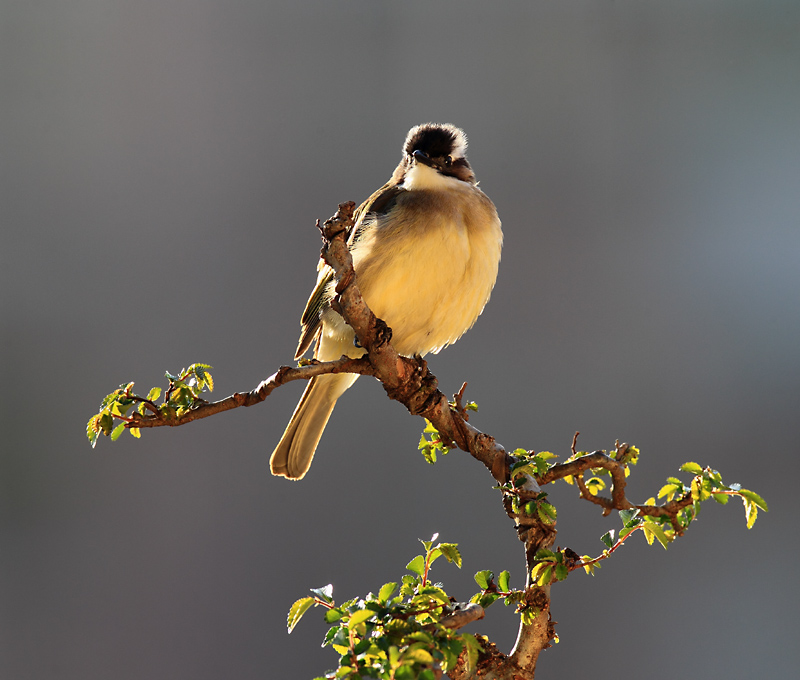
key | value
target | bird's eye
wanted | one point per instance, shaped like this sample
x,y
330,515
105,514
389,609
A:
x,y
448,161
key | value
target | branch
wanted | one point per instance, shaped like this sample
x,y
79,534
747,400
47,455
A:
x,y
462,614
405,379
618,501
285,374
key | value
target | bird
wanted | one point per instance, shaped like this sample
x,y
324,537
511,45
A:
x,y
426,250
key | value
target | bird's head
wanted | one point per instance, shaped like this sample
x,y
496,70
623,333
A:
x,y
441,147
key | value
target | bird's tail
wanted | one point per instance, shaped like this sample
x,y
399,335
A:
x,y
293,455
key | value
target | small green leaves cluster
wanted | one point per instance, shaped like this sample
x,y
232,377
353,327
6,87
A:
x,y
550,566
182,394
527,466
492,590
707,483
396,634
622,453
433,447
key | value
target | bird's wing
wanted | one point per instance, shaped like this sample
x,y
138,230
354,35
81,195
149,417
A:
x,y
378,204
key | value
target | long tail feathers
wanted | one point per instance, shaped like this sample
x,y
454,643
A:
x,y
293,455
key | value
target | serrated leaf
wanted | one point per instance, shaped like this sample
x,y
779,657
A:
x,y
627,515
546,512
658,532
418,654
473,647
93,429
333,615
755,498
451,553
386,591
693,468
483,578
668,490
561,572
325,593
503,580
297,610
751,512
486,600
106,423
721,498
434,555
118,430
359,616
544,575
417,565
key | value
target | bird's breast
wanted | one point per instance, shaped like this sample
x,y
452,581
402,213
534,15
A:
x,y
428,266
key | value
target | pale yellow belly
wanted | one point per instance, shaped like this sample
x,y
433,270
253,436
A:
x,y
430,284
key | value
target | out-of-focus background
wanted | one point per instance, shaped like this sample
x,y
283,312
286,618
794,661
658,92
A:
x,y
162,167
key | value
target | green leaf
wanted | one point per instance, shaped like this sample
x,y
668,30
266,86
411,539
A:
x,y
693,468
755,498
118,430
721,498
417,565
359,616
668,490
542,575
297,610
106,423
483,578
627,515
485,600
93,429
473,647
751,512
595,485
429,428
333,615
608,538
386,591
418,654
547,512
451,553
502,581
325,593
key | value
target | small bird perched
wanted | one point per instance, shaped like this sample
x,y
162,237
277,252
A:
x,y
426,248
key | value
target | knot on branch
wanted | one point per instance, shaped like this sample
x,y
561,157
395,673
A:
x,y
417,388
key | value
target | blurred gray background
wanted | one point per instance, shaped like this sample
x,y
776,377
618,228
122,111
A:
x,y
162,167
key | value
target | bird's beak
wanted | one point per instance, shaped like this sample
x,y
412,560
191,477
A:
x,y
422,157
